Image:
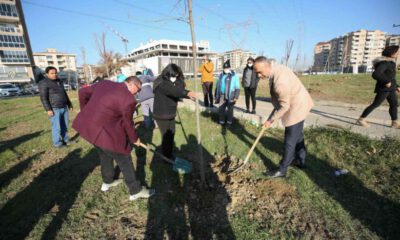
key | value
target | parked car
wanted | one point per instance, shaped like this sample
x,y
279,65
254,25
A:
x,y
8,90
67,87
31,89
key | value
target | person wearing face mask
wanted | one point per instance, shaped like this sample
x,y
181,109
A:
x,y
109,127
169,88
227,91
249,83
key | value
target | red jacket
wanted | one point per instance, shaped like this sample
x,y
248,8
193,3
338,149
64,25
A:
x,y
105,119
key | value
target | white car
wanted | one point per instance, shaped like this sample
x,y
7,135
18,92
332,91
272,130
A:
x,y
8,89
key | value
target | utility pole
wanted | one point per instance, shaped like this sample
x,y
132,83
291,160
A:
x,y
194,53
85,67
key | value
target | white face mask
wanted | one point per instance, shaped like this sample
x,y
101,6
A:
x,y
172,79
226,71
249,64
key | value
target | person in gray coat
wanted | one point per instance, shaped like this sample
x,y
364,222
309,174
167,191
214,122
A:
x,y
146,98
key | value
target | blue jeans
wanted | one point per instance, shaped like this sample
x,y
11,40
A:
x,y
59,126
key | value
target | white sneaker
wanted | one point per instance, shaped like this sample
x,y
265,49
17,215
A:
x,y
144,193
106,186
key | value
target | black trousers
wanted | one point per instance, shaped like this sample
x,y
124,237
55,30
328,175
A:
x,y
229,113
167,129
250,93
380,96
124,162
294,146
208,94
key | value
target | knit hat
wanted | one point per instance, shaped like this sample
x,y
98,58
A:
x,y
227,64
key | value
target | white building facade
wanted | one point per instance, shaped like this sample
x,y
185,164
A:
x,y
59,60
159,53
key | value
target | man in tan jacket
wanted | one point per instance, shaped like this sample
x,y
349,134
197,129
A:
x,y
207,80
292,103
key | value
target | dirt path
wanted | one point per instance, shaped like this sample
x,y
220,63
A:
x,y
324,113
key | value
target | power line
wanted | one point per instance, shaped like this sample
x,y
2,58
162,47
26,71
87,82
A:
x,y
100,17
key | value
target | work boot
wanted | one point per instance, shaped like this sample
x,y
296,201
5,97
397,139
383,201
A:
x,y
395,124
362,122
144,193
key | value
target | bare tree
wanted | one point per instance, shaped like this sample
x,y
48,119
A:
x,y
109,60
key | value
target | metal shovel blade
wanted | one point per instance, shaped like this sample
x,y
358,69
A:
x,y
182,166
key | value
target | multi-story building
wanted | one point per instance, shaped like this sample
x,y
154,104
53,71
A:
x,y
394,40
321,54
355,51
15,50
238,59
157,54
61,61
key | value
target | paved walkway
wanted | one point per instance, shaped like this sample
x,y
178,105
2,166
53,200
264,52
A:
x,y
324,113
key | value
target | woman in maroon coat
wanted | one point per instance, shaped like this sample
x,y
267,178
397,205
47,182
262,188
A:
x,y
105,120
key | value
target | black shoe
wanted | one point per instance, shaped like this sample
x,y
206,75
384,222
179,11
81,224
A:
x,y
253,112
247,111
211,106
275,174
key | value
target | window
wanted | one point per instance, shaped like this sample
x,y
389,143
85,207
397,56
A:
x,y
8,10
173,47
11,41
14,56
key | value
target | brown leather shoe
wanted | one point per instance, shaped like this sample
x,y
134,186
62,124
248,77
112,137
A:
x,y
395,124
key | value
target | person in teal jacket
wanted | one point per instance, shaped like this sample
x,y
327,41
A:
x,y
227,91
120,76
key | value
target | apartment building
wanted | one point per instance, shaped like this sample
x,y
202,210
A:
x,y
237,57
15,50
394,40
59,60
355,51
159,53
321,54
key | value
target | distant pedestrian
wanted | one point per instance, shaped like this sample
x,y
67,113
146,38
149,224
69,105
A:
x,y
207,80
147,71
169,88
146,98
120,76
109,127
250,83
292,104
56,102
227,93
385,87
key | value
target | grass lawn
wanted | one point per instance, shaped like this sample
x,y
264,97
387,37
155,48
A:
x,y
55,194
349,88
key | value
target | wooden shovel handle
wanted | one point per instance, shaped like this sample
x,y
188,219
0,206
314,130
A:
x,y
251,150
159,154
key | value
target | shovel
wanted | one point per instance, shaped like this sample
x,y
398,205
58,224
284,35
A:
x,y
180,165
250,152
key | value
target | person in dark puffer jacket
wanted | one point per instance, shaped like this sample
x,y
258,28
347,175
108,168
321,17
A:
x,y
56,103
386,86
169,88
